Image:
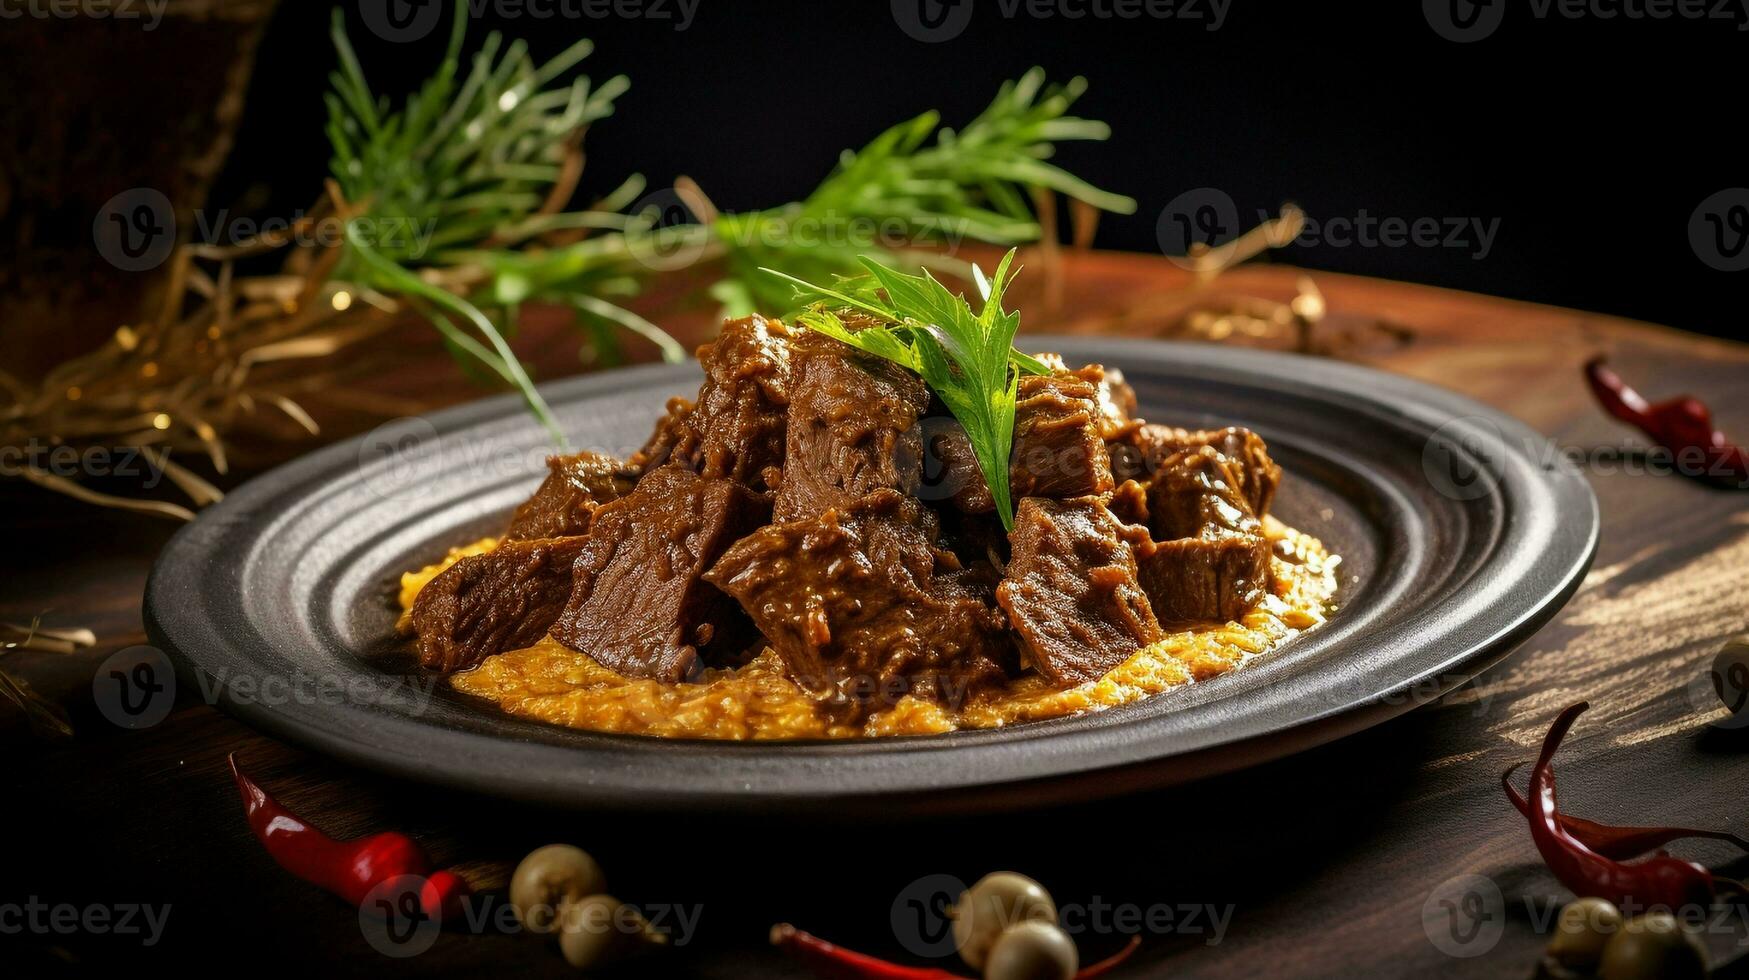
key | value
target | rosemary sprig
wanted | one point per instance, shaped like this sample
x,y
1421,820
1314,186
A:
x,y
968,184
967,357
477,167
465,177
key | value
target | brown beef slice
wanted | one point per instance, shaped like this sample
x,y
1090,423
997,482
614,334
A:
x,y
1060,426
853,429
486,604
1193,580
1114,396
736,429
1207,558
1059,451
638,603
852,603
575,486
660,446
1149,446
950,469
1071,591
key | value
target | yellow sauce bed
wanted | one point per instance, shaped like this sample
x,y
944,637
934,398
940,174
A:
x,y
553,683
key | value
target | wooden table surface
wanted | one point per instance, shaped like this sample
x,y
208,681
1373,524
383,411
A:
x,y
1336,861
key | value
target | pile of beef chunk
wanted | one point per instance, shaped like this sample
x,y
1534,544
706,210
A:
x,y
821,502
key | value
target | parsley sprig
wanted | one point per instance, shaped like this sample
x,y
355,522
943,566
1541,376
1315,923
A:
x,y
967,357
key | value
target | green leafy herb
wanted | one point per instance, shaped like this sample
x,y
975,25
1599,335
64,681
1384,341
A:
x,y
456,185
903,186
460,201
967,357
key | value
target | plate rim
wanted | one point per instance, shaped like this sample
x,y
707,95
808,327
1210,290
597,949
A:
x,y
550,773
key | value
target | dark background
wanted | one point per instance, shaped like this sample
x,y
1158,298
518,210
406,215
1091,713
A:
x,y
1590,141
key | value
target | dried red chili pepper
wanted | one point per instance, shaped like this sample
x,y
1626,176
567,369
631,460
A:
x,y
1615,842
1660,880
834,962
349,869
1680,425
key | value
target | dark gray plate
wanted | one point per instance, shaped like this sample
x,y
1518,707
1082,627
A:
x,y
1462,532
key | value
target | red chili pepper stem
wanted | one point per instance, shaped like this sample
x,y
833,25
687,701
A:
x,y
834,962
1615,842
1657,881
1111,962
349,869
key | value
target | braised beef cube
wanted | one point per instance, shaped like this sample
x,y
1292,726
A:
x,y
1128,463
575,486
1058,449
486,604
853,429
1129,503
1059,446
1115,398
950,468
1071,591
851,601
736,429
973,538
1198,493
1257,478
660,446
639,603
1208,558
1194,580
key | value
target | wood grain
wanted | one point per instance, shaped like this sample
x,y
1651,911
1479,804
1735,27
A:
x,y
1327,861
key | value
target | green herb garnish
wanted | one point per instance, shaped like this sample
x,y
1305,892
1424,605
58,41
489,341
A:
x,y
968,358
925,183
458,204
